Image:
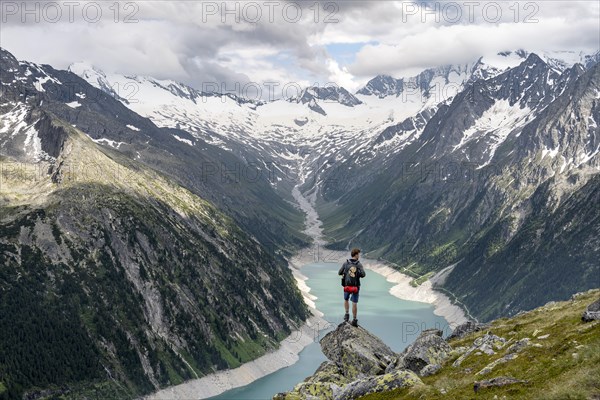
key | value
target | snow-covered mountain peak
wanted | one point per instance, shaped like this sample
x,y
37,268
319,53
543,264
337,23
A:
x,y
333,94
381,86
558,60
485,67
86,70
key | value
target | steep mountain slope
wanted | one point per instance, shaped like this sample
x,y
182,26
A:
x,y
240,188
116,280
504,155
153,283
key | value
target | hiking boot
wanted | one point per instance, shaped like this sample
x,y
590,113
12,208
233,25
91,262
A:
x,y
354,322
346,317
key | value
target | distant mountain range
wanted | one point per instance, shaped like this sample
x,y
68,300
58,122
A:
x,y
450,168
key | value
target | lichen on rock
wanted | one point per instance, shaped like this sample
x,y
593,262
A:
x,y
382,383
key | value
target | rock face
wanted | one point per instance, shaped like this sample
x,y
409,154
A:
x,y
592,312
427,351
356,351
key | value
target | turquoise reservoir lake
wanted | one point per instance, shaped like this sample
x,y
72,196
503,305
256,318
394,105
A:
x,y
397,322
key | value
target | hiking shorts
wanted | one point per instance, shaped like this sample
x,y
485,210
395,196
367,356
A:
x,y
352,296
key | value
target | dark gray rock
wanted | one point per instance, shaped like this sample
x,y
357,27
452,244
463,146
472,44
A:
x,y
467,328
428,349
519,346
397,363
592,312
496,382
356,351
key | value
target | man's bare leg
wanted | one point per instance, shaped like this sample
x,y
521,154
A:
x,y
353,310
346,306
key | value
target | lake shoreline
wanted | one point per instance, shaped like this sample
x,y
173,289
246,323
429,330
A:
x,y
288,353
424,293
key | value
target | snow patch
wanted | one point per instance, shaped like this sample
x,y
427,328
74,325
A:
x,y
74,104
133,128
109,142
583,158
14,124
552,153
495,125
39,82
186,141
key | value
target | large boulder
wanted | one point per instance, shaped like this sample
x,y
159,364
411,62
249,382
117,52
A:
x,y
592,312
429,349
382,383
356,351
466,329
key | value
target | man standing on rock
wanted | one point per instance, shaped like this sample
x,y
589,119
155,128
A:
x,y
351,272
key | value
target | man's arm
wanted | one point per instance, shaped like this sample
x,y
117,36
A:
x,y
361,270
341,271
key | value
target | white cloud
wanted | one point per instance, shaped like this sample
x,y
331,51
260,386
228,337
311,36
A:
x,y
188,41
453,44
341,76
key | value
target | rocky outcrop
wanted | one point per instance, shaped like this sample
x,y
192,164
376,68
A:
x,y
466,329
488,368
360,364
426,352
520,345
356,351
323,384
487,344
478,363
592,312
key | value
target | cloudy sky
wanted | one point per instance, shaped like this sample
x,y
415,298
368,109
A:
x,y
276,42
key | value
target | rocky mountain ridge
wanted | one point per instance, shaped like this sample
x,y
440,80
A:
x,y
117,279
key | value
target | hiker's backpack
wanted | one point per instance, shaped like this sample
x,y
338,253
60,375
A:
x,y
350,274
